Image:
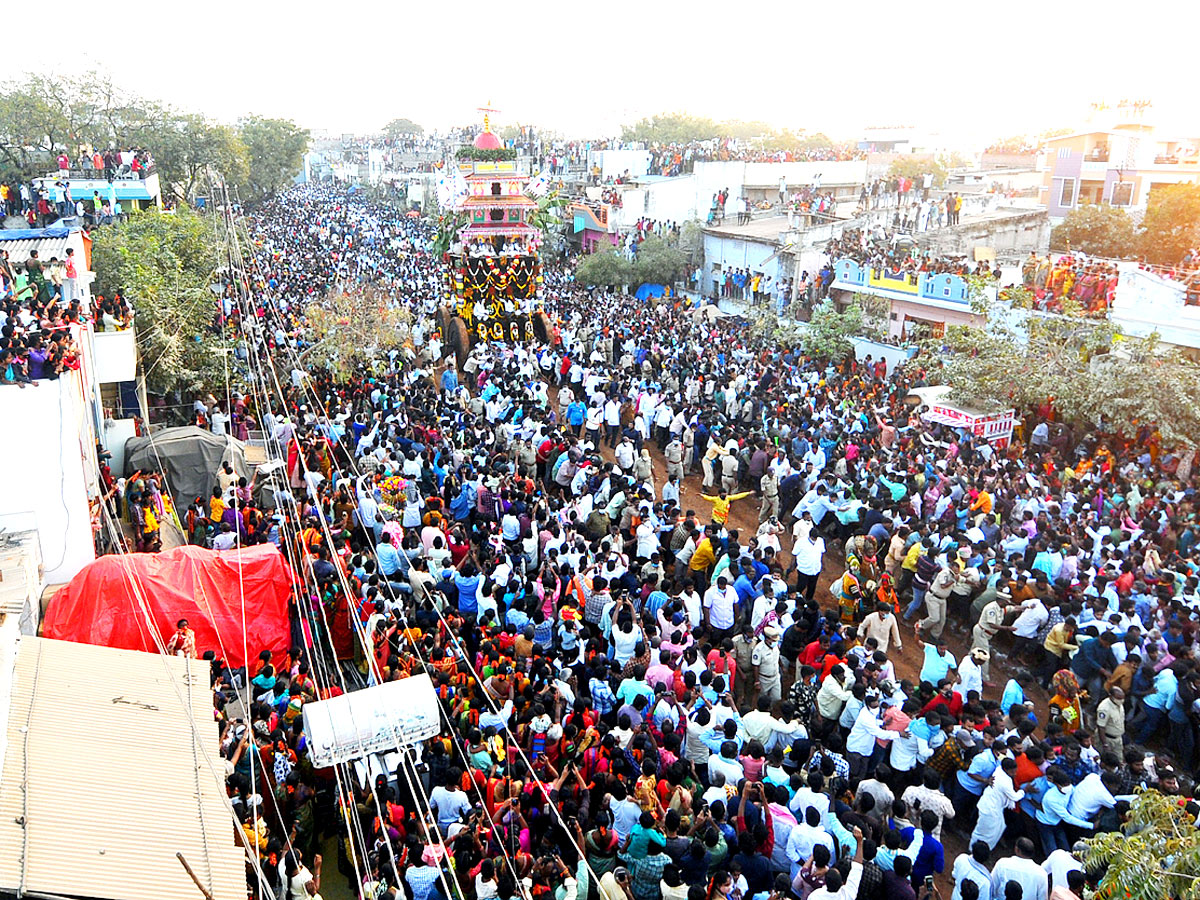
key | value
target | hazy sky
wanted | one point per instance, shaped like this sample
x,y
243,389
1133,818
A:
x,y
981,70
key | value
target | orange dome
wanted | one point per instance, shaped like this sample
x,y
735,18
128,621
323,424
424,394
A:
x,y
487,140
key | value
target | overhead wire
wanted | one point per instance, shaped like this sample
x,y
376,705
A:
x,y
415,790
359,628
319,410
352,824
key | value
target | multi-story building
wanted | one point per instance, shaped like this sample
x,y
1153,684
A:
x,y
1121,159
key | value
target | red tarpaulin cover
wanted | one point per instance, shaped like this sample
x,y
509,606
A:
x,y
99,605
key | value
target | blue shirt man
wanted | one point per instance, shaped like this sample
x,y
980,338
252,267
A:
x,y
983,765
388,557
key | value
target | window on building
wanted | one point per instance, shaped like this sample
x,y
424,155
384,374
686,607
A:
x,y
1122,194
1066,192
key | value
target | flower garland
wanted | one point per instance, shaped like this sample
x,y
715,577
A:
x,y
393,490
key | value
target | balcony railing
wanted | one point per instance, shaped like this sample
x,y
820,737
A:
x,y
98,174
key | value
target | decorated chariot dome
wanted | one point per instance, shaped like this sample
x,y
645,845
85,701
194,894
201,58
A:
x,y
493,267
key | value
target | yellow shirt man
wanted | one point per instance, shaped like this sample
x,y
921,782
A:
x,y
721,504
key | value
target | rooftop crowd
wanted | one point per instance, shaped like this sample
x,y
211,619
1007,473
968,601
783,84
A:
x,y
707,619
39,302
882,250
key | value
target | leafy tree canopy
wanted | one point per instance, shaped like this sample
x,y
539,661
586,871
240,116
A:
x,y
402,128
1094,375
163,264
604,268
499,153
918,166
672,128
1156,853
1171,225
43,115
1096,230
736,128
658,262
680,128
830,333
276,152
1019,143
347,330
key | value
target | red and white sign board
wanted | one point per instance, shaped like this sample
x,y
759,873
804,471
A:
x,y
996,428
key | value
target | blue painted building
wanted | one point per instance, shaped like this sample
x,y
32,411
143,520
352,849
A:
x,y
915,298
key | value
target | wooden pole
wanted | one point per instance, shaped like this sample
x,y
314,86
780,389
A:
x,y
187,868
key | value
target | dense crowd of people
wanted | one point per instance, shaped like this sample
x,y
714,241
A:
x,y
679,158
40,301
1090,285
886,251
706,619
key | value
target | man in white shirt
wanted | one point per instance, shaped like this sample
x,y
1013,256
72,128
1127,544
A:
x,y
612,421
1032,617
804,836
1058,864
719,603
670,490
761,726
973,867
226,540
997,797
970,673
1023,870
811,796
860,743
220,419
1093,793
726,763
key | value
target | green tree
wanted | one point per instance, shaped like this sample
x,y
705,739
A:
x,y
657,262
917,167
1171,225
402,128
1155,855
1018,143
744,131
39,116
829,335
668,128
163,264
275,148
1096,230
604,268
691,241
1094,375
346,330
188,148
954,160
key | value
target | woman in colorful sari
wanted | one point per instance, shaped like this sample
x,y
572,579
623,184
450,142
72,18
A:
x,y
1064,705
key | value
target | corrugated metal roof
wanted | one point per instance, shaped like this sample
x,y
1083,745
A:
x,y
46,247
103,769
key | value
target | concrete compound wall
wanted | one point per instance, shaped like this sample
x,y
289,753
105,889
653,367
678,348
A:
x,y
1010,235
736,253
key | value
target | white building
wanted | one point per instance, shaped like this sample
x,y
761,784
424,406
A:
x,y
62,425
1146,303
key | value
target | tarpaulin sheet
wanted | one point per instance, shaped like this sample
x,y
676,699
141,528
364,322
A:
x,y
189,457
99,605
651,290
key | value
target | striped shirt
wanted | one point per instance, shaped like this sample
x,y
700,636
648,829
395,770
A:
x,y
603,699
